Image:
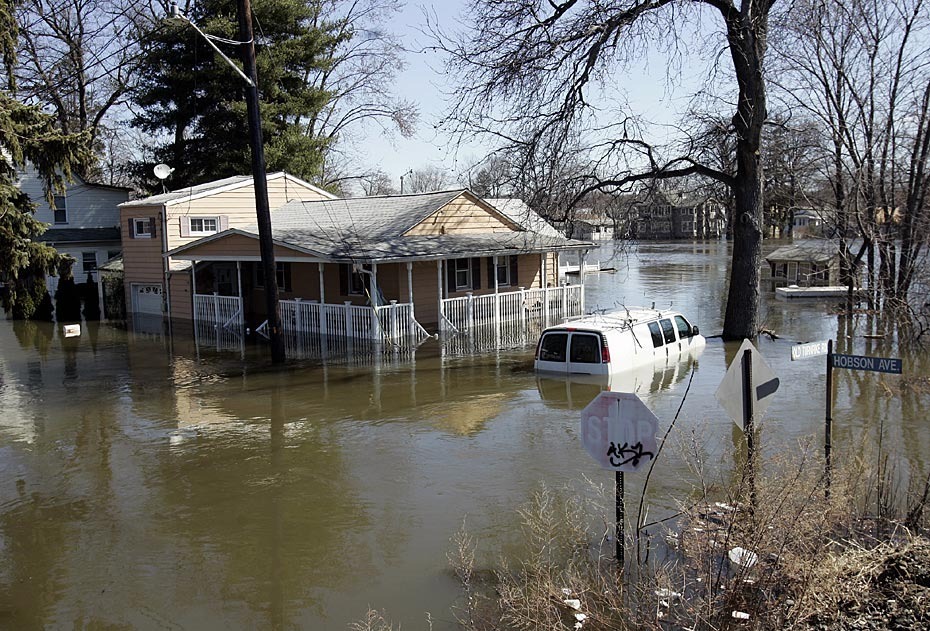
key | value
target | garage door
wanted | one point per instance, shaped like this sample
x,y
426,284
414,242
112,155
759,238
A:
x,y
146,299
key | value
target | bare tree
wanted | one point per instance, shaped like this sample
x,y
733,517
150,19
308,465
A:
x,y
426,180
528,70
377,183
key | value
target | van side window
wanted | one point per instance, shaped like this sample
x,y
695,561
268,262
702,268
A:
x,y
552,348
585,349
684,329
656,334
668,330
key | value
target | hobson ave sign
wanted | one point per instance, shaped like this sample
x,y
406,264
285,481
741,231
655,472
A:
x,y
862,362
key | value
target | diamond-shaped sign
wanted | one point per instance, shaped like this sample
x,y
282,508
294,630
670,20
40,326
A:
x,y
619,431
764,384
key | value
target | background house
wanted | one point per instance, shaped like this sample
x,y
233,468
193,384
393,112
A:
x,y
84,222
677,216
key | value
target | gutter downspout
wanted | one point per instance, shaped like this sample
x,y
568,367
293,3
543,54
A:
x,y
164,248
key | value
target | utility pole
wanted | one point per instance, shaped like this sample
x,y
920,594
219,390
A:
x,y
262,210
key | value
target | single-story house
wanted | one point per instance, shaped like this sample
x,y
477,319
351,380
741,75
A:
x,y
381,268
806,263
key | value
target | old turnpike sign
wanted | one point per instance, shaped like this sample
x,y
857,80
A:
x,y
619,431
812,349
862,362
763,386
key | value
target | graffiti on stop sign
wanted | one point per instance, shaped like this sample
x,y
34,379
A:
x,y
619,431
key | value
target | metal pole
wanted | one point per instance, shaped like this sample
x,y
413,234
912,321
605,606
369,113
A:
x,y
828,421
620,519
262,209
748,426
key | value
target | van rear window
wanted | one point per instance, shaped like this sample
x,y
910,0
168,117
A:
x,y
669,330
552,348
656,334
586,349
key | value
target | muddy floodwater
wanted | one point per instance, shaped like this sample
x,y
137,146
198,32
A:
x,y
150,482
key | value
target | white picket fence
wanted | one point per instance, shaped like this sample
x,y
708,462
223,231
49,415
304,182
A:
x,y
222,311
540,307
392,322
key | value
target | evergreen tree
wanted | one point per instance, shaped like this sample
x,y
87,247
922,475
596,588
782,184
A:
x,y
67,296
188,94
27,135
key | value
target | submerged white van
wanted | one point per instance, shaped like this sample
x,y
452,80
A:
x,y
607,343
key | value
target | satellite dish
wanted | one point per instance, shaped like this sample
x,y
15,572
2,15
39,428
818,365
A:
x,y
162,171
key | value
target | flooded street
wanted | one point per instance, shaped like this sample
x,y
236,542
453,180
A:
x,y
149,483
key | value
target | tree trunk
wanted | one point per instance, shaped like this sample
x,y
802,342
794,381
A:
x,y
742,314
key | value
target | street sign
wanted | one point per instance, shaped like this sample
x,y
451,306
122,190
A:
x,y
763,386
861,362
812,349
619,431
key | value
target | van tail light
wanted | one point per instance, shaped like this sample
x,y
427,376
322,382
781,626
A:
x,y
605,351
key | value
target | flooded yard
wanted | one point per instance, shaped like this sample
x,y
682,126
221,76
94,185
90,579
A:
x,y
147,481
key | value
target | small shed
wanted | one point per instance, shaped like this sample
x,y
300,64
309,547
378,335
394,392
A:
x,y
807,263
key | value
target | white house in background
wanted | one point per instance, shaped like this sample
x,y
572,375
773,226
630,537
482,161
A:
x,y
84,222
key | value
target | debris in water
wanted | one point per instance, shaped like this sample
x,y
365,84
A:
x,y
667,593
743,557
740,615
573,603
566,591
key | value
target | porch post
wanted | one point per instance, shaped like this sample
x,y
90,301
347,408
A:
x,y
194,289
545,287
322,324
375,301
239,285
440,323
497,297
412,317
584,257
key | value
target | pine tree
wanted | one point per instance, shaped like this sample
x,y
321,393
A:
x,y
27,135
190,95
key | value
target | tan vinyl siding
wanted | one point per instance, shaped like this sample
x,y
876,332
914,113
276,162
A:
x,y
461,215
236,245
142,259
238,206
179,284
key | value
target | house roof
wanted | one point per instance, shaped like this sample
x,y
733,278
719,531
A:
x,y
519,212
189,193
115,264
374,228
806,251
79,235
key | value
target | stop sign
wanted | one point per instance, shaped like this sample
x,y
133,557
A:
x,y
619,431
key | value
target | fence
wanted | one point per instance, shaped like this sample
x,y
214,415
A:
x,y
392,322
539,307
223,311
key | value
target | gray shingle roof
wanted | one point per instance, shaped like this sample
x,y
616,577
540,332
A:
x,y
808,251
79,235
170,196
517,211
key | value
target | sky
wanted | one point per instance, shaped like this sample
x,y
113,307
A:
x,y
423,82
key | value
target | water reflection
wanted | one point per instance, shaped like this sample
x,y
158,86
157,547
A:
x,y
158,480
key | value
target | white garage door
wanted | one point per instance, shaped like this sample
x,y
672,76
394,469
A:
x,y
146,299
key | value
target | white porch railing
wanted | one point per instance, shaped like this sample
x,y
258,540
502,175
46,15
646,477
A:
x,y
540,307
224,311
392,322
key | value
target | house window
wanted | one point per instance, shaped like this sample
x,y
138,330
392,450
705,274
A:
x,y
203,225
142,228
462,274
89,261
283,276
503,271
356,282
60,209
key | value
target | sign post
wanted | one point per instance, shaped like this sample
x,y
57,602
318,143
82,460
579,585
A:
x,y
745,393
619,432
828,423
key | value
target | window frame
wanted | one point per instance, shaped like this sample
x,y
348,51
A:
x,y
467,271
203,232
282,275
503,262
63,209
141,221
564,347
84,261
595,356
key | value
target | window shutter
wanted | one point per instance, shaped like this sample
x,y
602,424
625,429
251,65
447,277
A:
x,y
491,272
343,279
514,268
185,226
152,224
450,275
224,222
476,273
132,228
